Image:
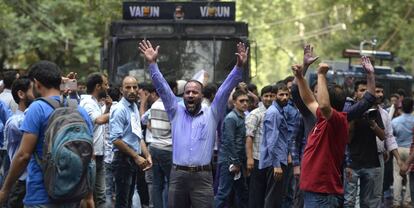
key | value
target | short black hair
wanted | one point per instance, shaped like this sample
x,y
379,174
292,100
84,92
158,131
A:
x,y
359,82
47,73
379,85
280,86
238,93
337,97
395,95
209,90
407,105
92,80
251,87
266,89
8,78
288,79
114,93
22,84
147,87
172,84
401,92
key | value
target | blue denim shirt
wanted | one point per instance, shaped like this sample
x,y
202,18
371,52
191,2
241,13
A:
x,y
120,124
232,148
296,136
274,146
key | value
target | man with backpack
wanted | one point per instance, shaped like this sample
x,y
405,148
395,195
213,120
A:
x,y
68,148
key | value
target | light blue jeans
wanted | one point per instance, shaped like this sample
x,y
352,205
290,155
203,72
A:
x,y
317,200
370,184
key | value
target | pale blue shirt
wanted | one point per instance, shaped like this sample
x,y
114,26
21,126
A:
x,y
403,127
120,124
13,136
193,136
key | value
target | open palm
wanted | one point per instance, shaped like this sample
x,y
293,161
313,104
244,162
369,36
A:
x,y
242,54
308,56
149,52
366,64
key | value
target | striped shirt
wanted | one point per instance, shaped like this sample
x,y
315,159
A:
x,y
160,126
254,128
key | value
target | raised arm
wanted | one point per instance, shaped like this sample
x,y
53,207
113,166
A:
x,y
368,100
366,64
304,90
160,84
308,59
323,95
219,103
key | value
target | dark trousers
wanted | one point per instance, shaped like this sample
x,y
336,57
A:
x,y
289,187
125,172
190,189
109,180
227,184
257,186
142,187
99,192
16,195
275,190
161,169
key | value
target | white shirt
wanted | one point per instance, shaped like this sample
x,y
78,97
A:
x,y
91,105
390,142
7,97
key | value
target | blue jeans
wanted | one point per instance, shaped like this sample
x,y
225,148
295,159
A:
x,y
227,184
109,180
370,187
161,169
125,172
317,200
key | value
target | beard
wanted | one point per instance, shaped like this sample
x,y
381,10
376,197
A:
x,y
27,102
192,106
282,103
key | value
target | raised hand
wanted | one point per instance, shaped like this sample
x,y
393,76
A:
x,y
149,52
366,64
242,54
323,68
297,70
308,56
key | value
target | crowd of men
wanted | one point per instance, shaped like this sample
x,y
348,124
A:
x,y
294,145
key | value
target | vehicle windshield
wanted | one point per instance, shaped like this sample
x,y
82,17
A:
x,y
178,59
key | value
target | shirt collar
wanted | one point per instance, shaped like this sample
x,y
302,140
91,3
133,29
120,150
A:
x,y
7,90
238,114
126,102
278,107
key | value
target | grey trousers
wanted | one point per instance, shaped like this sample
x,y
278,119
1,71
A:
x,y
190,189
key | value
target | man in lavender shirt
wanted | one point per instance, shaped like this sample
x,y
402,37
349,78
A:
x,y
193,130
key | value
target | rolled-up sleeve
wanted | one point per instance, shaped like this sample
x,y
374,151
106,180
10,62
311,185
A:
x,y
117,122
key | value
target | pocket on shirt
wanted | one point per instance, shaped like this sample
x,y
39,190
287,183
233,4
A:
x,y
201,131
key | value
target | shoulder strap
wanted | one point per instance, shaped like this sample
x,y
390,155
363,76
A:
x,y
72,103
53,103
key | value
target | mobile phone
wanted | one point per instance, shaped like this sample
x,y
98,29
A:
x,y
71,84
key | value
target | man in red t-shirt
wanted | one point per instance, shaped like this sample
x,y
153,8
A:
x,y
325,150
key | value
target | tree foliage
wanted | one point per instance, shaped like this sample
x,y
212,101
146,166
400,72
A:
x,y
282,27
69,33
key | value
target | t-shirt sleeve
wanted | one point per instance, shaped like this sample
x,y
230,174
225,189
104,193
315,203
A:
x,y
33,119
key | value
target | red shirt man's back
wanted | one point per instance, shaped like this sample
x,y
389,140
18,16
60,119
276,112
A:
x,y
323,158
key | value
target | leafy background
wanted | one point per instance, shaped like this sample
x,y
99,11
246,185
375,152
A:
x,y
71,33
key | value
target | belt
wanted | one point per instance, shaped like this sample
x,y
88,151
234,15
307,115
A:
x,y
193,168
